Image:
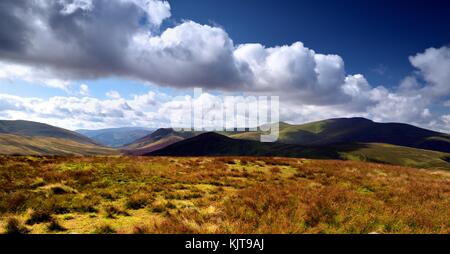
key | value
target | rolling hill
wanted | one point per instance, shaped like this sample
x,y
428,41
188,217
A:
x,y
213,144
116,137
357,130
156,140
32,138
11,144
321,133
35,129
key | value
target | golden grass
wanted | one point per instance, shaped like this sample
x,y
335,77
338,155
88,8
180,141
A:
x,y
218,195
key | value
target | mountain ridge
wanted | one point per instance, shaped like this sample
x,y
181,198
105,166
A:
x,y
37,129
214,144
355,130
116,137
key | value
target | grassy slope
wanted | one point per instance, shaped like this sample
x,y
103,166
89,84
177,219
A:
x,y
220,195
147,147
212,144
151,139
352,130
35,129
398,155
16,144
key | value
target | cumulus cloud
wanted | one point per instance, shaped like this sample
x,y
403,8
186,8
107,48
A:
x,y
81,112
113,94
434,66
84,89
10,72
56,42
76,39
83,39
71,7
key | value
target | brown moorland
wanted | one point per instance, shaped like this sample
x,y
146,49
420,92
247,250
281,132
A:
x,y
120,194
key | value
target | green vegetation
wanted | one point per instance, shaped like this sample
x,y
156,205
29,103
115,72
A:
x,y
121,194
213,144
356,130
397,155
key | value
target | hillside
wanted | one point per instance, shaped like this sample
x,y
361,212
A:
x,y
357,130
153,146
11,144
321,133
222,195
35,129
156,140
116,137
213,144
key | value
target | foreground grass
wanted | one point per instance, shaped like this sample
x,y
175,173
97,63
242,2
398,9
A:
x,y
218,195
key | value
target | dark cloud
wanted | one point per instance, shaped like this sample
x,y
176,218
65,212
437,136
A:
x,y
81,44
13,29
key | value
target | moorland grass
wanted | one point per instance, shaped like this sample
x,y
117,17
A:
x,y
120,194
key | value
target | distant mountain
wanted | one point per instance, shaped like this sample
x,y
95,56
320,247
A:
x,y
321,133
35,129
156,140
116,137
213,144
357,130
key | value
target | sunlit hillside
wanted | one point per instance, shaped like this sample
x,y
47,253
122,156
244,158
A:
x,y
218,195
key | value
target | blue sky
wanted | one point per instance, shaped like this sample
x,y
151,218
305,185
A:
x,y
373,37
385,60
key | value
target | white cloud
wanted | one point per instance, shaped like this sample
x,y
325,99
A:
x,y
434,66
79,112
446,119
84,89
113,94
292,70
187,55
11,72
71,7
157,10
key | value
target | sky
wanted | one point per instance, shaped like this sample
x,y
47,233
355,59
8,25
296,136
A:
x,y
99,64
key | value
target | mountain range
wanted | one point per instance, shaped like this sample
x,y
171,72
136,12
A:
x,y
116,137
340,138
327,132
214,144
352,130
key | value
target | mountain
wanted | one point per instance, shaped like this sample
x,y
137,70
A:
x,y
213,144
156,140
321,133
116,137
33,138
11,144
35,129
357,130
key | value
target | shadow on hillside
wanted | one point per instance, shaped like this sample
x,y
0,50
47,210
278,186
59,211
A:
x,y
327,152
